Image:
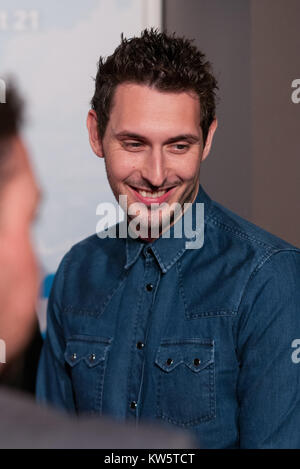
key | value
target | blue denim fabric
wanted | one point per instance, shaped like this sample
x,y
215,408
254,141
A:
x,y
219,328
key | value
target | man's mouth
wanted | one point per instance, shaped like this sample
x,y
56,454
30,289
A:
x,y
148,197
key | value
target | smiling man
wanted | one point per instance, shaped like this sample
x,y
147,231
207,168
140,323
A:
x,y
149,134
144,328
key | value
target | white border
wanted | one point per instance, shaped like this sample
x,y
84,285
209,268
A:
x,y
152,13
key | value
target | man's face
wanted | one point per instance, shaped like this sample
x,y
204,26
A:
x,y
153,145
18,267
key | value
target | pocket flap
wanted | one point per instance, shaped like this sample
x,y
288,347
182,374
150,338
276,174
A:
x,y
197,354
92,350
168,357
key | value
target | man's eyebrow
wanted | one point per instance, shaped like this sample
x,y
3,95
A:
x,y
187,137
128,134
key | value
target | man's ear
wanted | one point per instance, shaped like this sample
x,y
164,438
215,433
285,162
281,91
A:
x,y
95,140
209,139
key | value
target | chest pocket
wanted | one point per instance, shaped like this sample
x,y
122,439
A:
x,y
186,381
86,357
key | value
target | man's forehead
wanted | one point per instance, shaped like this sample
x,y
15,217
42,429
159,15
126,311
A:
x,y
126,90
139,108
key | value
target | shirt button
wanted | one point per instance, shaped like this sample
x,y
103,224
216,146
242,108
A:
x,y
169,361
73,356
197,362
92,357
140,345
149,286
133,405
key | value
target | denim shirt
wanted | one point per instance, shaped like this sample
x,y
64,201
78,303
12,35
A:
x,y
207,340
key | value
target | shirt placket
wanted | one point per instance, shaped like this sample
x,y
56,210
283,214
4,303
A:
x,y
148,287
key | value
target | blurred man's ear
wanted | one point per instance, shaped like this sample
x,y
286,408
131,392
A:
x,y
95,141
209,139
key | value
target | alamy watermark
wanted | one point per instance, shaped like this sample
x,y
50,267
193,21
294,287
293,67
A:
x,y
296,353
296,93
2,351
152,221
2,91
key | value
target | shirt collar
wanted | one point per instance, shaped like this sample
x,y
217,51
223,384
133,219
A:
x,y
167,250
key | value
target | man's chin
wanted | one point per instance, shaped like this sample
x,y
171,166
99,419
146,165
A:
x,y
150,229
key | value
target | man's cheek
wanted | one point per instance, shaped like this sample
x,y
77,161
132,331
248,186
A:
x,y
116,172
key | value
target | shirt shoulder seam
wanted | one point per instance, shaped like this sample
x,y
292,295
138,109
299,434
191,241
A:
x,y
262,261
213,217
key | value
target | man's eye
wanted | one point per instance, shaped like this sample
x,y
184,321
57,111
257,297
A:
x,y
133,145
180,147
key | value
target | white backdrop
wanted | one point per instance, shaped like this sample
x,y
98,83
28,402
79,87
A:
x,y
51,48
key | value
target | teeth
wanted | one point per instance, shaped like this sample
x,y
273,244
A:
x,y
153,195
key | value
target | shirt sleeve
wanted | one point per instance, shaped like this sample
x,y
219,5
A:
x,y
268,336
53,384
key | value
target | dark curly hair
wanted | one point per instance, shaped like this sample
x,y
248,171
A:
x,y
11,119
165,61
11,112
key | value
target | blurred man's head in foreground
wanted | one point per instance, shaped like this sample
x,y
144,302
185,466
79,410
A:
x,y
18,202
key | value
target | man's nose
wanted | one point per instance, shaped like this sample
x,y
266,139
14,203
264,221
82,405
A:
x,y
154,168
